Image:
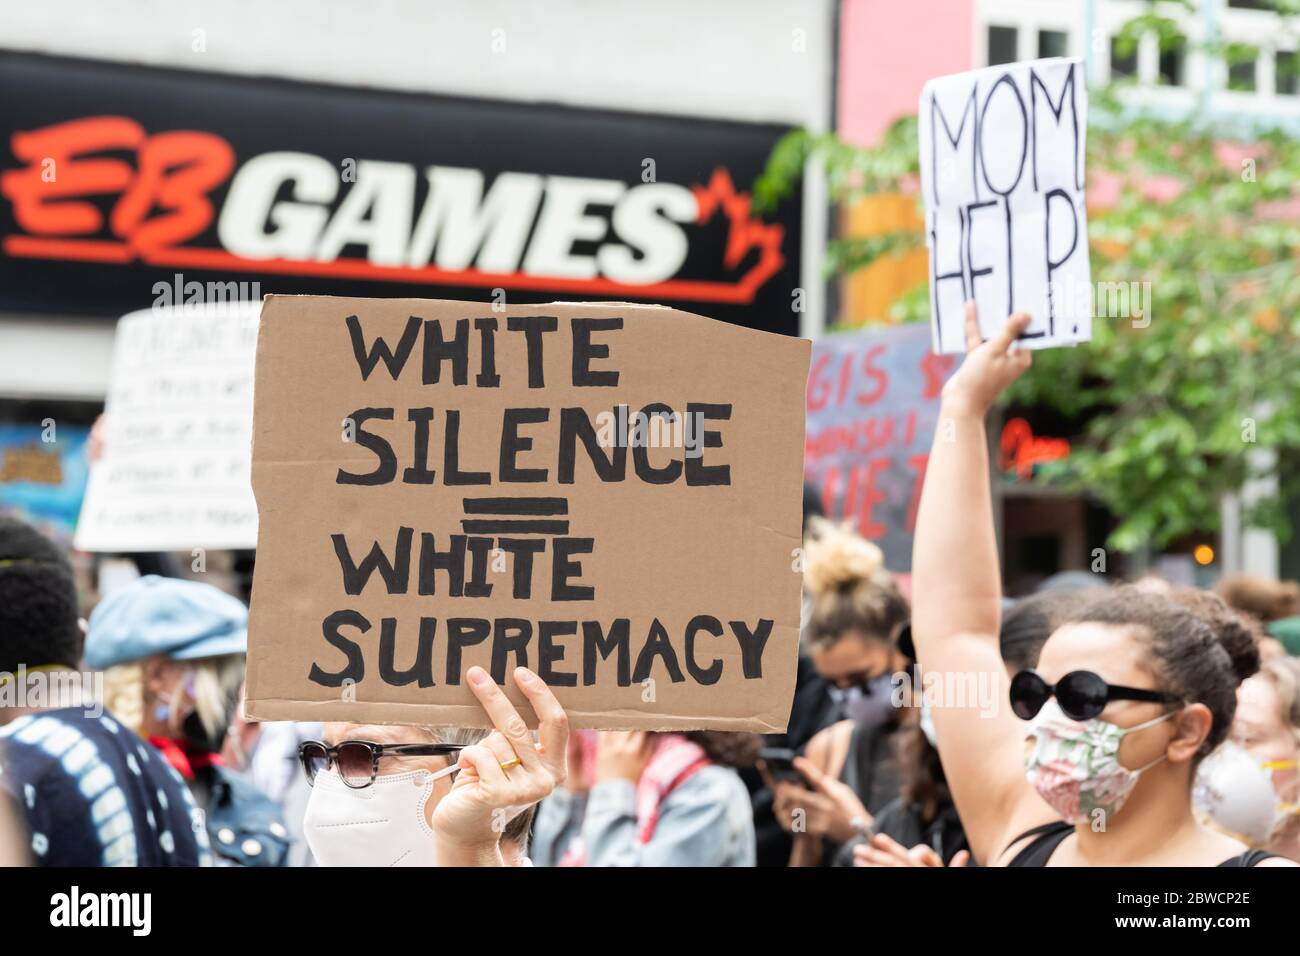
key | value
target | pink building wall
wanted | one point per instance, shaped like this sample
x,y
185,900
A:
x,y
888,49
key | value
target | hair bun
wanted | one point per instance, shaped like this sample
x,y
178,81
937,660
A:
x,y
1237,633
835,557
1240,638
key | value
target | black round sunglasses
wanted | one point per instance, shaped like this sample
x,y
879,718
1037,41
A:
x,y
357,761
1082,695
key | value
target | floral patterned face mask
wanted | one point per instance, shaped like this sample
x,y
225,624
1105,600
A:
x,y
1075,766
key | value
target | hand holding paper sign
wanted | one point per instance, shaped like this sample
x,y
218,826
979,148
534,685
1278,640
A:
x,y
990,367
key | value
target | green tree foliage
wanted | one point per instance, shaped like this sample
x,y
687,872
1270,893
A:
x,y
1188,400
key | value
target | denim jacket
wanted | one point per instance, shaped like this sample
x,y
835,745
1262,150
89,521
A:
x,y
706,820
245,827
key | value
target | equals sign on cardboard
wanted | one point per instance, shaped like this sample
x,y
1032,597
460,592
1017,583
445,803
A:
x,y
516,516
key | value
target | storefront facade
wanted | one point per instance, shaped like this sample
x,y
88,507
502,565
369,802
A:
x,y
155,161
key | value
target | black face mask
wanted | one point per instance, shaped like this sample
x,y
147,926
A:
x,y
861,682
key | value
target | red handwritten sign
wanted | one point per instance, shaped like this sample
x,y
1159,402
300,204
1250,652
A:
x,y
872,408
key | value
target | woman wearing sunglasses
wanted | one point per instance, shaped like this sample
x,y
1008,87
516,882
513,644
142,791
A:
x,y
387,795
1091,763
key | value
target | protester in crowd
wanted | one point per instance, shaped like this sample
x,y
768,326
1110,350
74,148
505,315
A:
x,y
187,641
88,790
1267,601
1261,598
1250,787
1126,699
381,795
817,704
922,815
650,799
267,754
921,827
849,770
856,614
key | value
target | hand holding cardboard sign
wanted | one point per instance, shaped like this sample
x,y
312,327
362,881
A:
x,y
433,499
503,774
990,367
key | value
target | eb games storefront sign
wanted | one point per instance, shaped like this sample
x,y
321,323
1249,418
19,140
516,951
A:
x,y
115,178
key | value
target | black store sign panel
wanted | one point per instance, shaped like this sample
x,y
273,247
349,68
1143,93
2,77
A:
x,y
122,184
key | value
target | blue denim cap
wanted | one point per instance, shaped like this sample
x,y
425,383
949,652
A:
x,y
182,619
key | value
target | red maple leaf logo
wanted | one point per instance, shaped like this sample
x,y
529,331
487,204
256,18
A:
x,y
746,231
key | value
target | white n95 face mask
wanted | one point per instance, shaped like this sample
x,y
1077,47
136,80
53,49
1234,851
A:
x,y
1236,793
379,825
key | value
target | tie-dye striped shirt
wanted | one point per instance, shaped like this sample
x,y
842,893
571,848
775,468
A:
x,y
94,794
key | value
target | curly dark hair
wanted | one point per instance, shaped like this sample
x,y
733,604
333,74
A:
x,y
38,601
1031,621
1199,648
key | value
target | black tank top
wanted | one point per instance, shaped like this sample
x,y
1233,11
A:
x,y
1049,836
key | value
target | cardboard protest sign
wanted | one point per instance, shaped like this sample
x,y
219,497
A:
x,y
607,493
178,422
873,405
1002,174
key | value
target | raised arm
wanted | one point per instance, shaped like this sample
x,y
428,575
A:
x,y
956,582
956,600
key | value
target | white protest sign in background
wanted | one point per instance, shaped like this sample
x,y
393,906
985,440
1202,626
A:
x,y
175,473
1002,173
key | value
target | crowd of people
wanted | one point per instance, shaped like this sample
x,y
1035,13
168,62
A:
x,y
1090,723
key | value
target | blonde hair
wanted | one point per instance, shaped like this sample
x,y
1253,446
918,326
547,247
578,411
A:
x,y
849,587
217,681
124,694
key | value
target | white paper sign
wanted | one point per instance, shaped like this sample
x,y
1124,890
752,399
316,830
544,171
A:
x,y
1002,171
179,418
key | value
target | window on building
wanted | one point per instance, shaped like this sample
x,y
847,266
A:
x,y
1052,43
1286,76
1002,45
1172,61
1241,67
1253,4
1123,61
